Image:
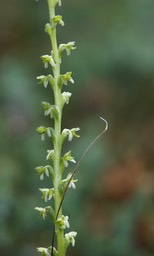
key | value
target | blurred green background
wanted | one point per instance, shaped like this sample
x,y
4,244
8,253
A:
x,y
113,67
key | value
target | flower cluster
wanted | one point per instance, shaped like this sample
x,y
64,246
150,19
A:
x,y
59,162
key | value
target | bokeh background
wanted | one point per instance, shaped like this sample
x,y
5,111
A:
x,y
113,66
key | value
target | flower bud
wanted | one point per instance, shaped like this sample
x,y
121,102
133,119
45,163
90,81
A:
x,y
57,20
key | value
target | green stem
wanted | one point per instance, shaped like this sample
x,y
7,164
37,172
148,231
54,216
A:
x,y
57,127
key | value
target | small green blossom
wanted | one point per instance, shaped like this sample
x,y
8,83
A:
x,y
43,251
47,251
71,133
64,79
71,183
70,238
51,110
47,193
42,130
68,158
68,47
44,170
66,96
57,20
48,59
46,107
42,212
45,80
63,222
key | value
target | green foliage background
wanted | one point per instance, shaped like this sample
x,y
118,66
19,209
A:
x,y
112,208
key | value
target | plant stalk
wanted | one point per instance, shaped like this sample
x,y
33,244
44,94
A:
x,y
57,127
